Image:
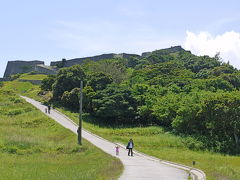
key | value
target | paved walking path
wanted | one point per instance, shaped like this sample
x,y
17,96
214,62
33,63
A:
x,y
138,167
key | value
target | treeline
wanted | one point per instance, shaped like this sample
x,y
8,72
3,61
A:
x,y
188,94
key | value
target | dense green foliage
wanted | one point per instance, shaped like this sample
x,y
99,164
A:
x,y
99,81
66,80
115,105
48,82
188,94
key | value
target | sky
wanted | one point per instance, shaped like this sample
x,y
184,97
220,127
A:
x,y
50,30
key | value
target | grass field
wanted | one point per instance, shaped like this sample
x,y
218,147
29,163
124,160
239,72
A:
x,y
23,88
156,142
33,76
164,145
32,146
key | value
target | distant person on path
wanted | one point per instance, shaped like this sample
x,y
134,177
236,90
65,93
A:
x,y
46,110
49,109
117,150
130,146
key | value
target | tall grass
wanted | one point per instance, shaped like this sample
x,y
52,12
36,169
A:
x,y
157,142
23,88
32,146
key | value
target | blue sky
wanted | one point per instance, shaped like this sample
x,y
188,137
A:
x,y
56,29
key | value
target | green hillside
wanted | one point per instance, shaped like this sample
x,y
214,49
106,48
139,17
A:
x,y
32,146
32,76
172,88
175,105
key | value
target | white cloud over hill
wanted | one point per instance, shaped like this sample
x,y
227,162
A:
x,y
228,44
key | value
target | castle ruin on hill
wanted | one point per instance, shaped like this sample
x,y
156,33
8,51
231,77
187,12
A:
x,y
16,67
19,66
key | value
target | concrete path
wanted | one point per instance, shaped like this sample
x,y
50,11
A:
x,y
138,167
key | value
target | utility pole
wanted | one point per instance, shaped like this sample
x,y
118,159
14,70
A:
x,y
80,116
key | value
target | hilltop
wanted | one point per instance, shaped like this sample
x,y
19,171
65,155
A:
x,y
21,66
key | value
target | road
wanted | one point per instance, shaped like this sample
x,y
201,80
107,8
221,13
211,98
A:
x,y
138,167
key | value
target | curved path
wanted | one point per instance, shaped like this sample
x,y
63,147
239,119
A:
x,y
138,167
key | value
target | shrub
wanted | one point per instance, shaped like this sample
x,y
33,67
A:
x,y
14,76
193,144
15,100
71,99
67,79
14,112
46,84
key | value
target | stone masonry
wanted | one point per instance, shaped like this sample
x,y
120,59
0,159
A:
x,y
72,62
15,67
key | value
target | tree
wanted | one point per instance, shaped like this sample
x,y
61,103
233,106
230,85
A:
x,y
223,69
233,79
218,57
71,99
47,83
213,115
132,62
115,69
67,79
115,104
88,94
218,83
99,81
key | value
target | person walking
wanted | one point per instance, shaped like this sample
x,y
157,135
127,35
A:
x,y
49,109
130,147
117,150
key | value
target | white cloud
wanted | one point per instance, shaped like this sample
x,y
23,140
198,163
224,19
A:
x,y
228,44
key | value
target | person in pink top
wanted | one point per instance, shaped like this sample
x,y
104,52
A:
x,y
117,150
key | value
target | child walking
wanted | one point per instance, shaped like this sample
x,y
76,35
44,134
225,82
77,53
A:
x,y
117,150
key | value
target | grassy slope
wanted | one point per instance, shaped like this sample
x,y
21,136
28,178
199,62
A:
x,y
32,146
33,76
23,88
154,141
